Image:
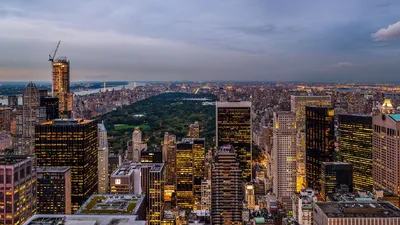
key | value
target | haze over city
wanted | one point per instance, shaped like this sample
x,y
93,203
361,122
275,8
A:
x,y
311,41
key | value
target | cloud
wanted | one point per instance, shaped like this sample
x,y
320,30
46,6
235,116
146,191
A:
x,y
392,32
343,65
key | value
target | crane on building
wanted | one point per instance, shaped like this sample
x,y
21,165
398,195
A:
x,y
51,57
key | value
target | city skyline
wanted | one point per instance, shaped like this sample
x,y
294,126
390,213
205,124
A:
x,y
269,41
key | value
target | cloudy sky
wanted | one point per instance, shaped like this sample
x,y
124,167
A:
x,y
270,40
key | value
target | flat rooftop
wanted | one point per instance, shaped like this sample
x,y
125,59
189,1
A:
x,y
127,168
13,159
157,167
64,122
52,169
42,219
367,209
112,204
123,170
395,117
238,104
151,149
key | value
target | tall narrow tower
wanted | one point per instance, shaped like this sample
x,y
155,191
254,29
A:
x,y
61,84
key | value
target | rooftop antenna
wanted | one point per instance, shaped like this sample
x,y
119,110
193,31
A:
x,y
51,59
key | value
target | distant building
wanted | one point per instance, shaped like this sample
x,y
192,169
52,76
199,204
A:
x,y
12,101
184,175
356,213
5,122
206,195
333,175
71,143
355,146
136,146
194,130
226,188
18,189
234,126
320,142
151,155
103,159
53,190
61,86
198,169
5,141
51,104
170,160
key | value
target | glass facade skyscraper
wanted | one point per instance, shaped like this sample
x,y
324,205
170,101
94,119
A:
x,y
333,175
61,86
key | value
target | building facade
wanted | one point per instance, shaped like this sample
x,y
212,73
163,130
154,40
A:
x,y
102,160
234,126
333,175
184,175
156,194
61,86
51,105
71,143
53,190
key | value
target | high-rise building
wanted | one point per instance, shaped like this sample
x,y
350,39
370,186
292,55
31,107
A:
x,y
61,86
385,152
126,180
114,161
184,175
206,195
17,189
103,159
51,106
156,194
170,145
333,175
284,154
198,169
151,155
71,143
301,160
137,146
5,141
12,101
249,196
355,146
303,204
226,188
234,126
298,106
53,190
194,130
5,121
320,142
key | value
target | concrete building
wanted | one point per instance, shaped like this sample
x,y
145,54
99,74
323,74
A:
x,y
249,196
303,204
41,219
17,188
284,156
126,180
53,190
206,195
103,159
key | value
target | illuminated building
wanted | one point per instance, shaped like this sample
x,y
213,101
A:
x,y
61,86
12,101
114,161
51,106
5,141
385,152
355,146
206,195
303,204
126,180
151,155
169,191
298,106
53,190
156,194
234,126
103,159
70,143
184,175
198,169
249,196
170,147
226,188
320,142
333,175
194,130
284,155
5,121
300,160
17,189
136,146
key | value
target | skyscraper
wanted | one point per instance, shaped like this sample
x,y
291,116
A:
x,y
194,130
333,175
17,188
301,161
198,169
156,194
226,188
103,159
320,142
5,121
234,127
61,86
385,152
184,175
12,101
51,106
71,143
284,155
170,160
151,155
355,146
53,190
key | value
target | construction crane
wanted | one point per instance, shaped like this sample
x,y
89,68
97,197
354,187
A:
x,y
51,57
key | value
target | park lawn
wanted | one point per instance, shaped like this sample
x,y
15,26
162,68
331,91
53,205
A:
x,y
123,126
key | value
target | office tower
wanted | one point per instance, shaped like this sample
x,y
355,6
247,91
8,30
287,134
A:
x,y
303,204
356,213
184,175
234,127
156,194
194,130
136,144
385,152
114,161
226,188
298,106
5,121
53,190
320,142
103,159
249,196
51,106
71,143
206,195
5,141
61,86
355,146
198,169
284,155
300,160
12,101
151,155
126,180
17,188
334,175
171,160
43,93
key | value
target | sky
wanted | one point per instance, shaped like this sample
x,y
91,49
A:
x,y
244,40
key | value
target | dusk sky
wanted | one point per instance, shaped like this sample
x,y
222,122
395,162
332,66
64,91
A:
x,y
268,40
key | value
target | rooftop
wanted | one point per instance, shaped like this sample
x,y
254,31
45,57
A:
x,y
63,122
243,104
112,204
52,169
124,170
13,159
369,209
152,149
395,117
336,163
41,219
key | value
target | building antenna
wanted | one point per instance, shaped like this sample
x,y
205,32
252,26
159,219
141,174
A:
x,y
51,59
